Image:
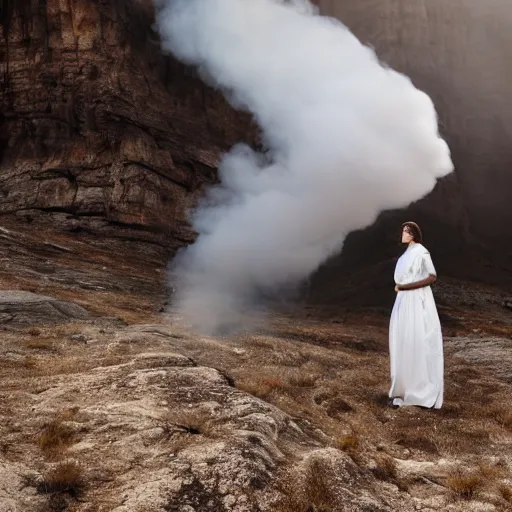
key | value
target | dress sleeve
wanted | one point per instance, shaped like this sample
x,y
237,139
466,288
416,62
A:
x,y
428,265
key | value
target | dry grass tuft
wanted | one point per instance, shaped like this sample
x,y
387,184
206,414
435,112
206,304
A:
x,y
302,379
365,345
450,410
348,443
506,492
380,399
68,414
336,406
184,428
465,438
29,363
40,344
385,468
273,382
261,342
195,422
65,477
501,415
416,441
491,472
314,335
461,374
465,485
55,438
314,493
34,331
318,490
261,387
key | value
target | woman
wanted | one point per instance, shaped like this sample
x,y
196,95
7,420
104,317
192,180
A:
x,y
415,339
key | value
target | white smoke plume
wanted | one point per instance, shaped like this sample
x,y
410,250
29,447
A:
x,y
346,138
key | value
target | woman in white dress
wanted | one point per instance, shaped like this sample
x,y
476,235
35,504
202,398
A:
x,y
415,339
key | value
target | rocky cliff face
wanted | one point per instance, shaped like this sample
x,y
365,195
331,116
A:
x,y
99,130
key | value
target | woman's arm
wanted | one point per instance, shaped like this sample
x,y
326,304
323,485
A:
x,y
418,284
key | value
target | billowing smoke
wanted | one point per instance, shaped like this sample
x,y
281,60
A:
x,y
346,138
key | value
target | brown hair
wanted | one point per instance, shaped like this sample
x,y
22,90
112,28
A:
x,y
414,230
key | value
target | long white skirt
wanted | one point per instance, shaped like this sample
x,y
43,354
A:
x,y
416,350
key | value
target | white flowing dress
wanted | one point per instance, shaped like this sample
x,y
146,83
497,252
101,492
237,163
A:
x,y
415,338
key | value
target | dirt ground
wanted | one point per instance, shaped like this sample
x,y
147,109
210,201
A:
x,y
127,410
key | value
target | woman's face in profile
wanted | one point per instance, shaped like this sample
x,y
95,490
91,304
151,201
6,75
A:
x,y
407,238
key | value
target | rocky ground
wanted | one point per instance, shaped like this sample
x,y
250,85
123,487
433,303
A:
x,y
108,403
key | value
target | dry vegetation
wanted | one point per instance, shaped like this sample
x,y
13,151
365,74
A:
x,y
41,344
54,439
506,493
465,485
314,492
340,390
348,443
194,422
385,468
348,394
501,414
64,477
330,377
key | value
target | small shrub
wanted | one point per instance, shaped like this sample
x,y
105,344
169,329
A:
x,y
65,477
491,472
347,443
385,468
55,438
313,493
261,387
381,399
195,422
464,485
302,379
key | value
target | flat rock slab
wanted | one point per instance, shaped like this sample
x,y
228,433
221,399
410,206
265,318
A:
x,y
24,308
162,359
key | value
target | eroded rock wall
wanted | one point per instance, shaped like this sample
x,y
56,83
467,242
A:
x,y
99,130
